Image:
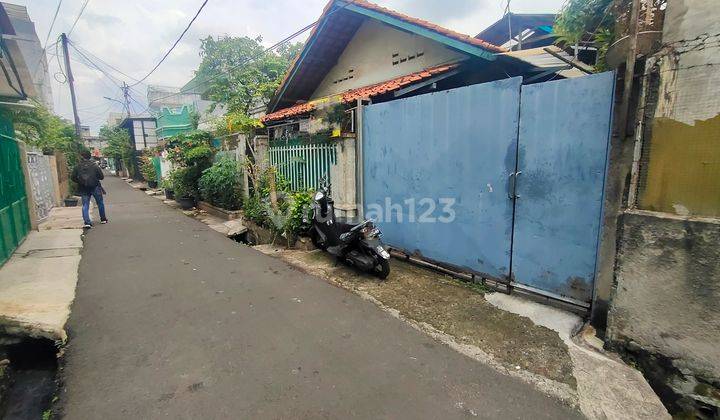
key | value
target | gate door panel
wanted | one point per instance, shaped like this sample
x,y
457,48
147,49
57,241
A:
x,y
436,174
562,159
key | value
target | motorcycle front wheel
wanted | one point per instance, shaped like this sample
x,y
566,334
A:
x,y
382,269
315,239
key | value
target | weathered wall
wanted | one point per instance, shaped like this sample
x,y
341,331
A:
x,y
680,171
370,57
668,289
665,311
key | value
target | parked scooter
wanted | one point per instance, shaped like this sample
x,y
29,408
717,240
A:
x,y
358,245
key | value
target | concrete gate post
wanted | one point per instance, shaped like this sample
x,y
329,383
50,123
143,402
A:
x,y
240,157
261,145
343,174
32,208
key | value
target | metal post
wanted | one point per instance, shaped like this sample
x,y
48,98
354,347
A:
x,y
68,72
126,96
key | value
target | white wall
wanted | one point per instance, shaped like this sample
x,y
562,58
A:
x,y
370,57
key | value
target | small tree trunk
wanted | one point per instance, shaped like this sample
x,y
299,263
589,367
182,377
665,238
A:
x,y
273,190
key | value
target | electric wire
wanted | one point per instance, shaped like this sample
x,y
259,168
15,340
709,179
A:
x,y
247,61
177,41
82,9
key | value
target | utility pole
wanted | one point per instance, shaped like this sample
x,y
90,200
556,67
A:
x,y
68,72
126,96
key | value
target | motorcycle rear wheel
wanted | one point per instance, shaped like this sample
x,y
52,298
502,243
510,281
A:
x,y
382,269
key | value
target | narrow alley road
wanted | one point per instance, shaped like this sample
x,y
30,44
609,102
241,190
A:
x,y
173,320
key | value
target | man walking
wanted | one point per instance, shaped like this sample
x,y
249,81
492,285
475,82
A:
x,y
87,175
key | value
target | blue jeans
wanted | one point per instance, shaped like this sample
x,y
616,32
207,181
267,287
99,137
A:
x,y
97,193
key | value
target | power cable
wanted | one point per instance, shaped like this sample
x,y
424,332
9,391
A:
x,y
52,24
174,44
47,38
82,9
98,59
247,61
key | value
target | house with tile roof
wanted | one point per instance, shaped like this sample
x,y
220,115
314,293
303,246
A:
x,y
362,51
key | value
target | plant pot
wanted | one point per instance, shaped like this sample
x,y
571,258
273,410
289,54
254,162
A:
x,y
152,184
71,202
186,203
169,194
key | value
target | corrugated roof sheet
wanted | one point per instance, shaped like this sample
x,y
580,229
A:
x,y
363,92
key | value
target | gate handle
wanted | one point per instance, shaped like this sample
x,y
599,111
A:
x,y
513,189
517,174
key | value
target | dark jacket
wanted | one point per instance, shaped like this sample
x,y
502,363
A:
x,y
87,176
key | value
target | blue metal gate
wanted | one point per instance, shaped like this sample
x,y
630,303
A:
x,y
473,179
562,159
436,174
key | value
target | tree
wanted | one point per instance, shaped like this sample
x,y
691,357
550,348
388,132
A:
x,y
40,128
118,145
587,20
240,73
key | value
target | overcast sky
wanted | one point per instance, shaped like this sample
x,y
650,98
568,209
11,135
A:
x,y
132,35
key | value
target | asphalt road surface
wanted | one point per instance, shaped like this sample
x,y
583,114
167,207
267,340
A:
x,y
173,320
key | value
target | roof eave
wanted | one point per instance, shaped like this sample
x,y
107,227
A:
x,y
419,30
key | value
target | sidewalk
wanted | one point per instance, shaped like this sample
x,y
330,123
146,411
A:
x,y
37,284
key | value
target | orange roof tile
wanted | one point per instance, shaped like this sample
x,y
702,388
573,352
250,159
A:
x,y
362,92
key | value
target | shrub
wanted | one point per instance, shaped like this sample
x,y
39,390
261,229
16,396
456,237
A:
x,y
147,169
221,184
299,209
192,153
188,149
254,210
184,181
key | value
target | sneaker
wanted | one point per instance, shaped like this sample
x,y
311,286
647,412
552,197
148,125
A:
x,y
103,222
87,226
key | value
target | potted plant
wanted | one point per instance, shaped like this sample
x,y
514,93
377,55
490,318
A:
x,y
166,185
148,171
183,181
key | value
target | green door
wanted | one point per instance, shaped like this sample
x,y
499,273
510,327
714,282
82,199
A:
x,y
14,216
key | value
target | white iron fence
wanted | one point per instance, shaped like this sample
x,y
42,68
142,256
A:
x,y
303,164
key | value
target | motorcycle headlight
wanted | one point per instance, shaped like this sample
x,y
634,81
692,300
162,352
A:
x,y
319,196
383,253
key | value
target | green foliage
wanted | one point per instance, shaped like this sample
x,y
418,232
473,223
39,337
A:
x,y
147,169
185,181
221,184
191,153
167,184
236,122
300,208
589,20
192,148
255,210
118,145
240,72
40,128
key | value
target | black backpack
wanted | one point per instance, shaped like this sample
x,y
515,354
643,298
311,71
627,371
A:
x,y
86,175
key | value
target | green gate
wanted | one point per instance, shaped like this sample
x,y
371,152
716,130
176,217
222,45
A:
x,y
14,216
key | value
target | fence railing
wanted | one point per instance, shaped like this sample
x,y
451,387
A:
x,y
303,165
